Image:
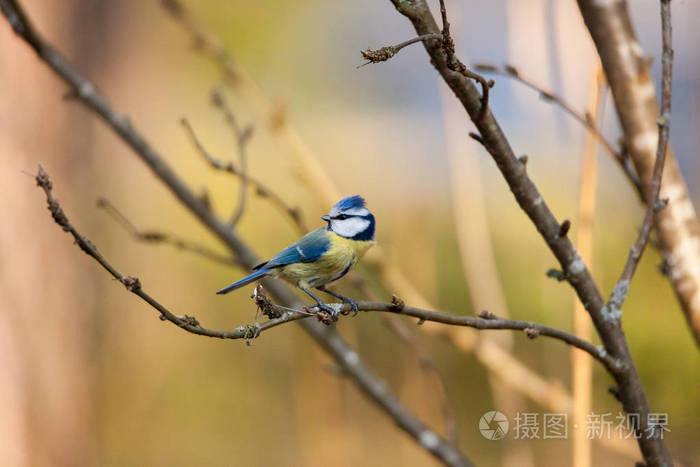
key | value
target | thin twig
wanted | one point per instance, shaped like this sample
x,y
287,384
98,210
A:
x,y
242,136
368,382
260,189
486,321
385,53
427,363
155,236
425,357
626,64
544,391
504,365
529,198
652,198
133,284
454,64
620,156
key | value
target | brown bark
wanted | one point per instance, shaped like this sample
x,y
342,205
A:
x,y
626,69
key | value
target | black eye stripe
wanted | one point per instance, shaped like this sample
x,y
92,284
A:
x,y
341,217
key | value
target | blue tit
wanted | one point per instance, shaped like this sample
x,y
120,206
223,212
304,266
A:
x,y
322,256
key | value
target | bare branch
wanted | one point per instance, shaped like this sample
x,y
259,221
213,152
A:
x,y
454,64
260,189
242,136
133,284
326,337
428,365
385,53
501,364
653,204
155,236
284,314
626,67
530,200
621,157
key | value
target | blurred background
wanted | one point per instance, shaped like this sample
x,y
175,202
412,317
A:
x,y
91,376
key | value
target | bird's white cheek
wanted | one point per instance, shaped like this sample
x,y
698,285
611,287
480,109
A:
x,y
349,227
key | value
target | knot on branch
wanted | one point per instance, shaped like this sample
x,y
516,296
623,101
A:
x,y
397,304
485,314
252,331
43,180
531,333
564,228
190,320
660,204
132,284
84,243
264,304
58,216
183,321
477,137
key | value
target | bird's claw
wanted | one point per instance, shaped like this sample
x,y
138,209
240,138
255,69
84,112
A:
x,y
330,310
353,304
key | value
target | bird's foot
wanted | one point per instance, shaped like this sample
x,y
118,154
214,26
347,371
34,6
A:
x,y
353,304
329,314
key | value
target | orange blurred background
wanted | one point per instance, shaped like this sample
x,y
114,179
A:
x,y
93,377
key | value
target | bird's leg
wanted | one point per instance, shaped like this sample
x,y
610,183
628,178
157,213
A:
x,y
353,303
322,306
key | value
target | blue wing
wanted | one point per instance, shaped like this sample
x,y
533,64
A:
x,y
308,249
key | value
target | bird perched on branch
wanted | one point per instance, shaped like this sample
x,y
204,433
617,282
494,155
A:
x,y
322,256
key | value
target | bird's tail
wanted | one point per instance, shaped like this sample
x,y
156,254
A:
x,y
245,281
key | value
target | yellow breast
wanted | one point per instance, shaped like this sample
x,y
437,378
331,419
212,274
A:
x,y
340,257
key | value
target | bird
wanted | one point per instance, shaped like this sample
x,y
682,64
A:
x,y
323,255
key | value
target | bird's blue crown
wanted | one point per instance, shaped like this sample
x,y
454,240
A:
x,y
350,202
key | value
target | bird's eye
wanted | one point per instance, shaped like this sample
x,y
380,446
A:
x,y
341,217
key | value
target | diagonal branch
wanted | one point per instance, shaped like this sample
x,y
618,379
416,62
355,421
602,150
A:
x,y
653,203
260,189
508,369
530,200
282,314
584,119
454,64
627,71
385,53
154,236
133,284
369,383
242,136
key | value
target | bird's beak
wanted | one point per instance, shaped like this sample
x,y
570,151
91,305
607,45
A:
x,y
326,218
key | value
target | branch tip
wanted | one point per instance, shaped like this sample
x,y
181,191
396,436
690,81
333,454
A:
x,y
557,274
397,303
477,137
485,314
132,284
